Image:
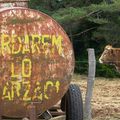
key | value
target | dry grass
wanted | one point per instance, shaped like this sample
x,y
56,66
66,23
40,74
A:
x,y
106,97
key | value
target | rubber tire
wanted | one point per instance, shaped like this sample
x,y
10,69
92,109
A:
x,y
72,103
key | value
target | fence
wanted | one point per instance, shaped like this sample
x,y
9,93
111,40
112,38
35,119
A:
x,y
90,83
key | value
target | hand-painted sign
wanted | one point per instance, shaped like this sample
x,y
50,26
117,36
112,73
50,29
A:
x,y
33,44
36,61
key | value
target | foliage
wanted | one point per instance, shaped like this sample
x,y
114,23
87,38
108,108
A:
x,y
106,71
104,16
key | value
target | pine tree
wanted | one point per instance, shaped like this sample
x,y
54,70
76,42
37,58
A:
x,y
104,17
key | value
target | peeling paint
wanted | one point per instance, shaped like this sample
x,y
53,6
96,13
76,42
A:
x,y
45,64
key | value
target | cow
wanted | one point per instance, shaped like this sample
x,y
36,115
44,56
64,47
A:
x,y
111,56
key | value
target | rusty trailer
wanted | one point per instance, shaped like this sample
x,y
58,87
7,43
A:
x,y
36,64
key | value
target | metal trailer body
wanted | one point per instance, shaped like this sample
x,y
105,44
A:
x,y
36,59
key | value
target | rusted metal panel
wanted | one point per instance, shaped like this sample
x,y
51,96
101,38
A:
x,y
13,3
36,61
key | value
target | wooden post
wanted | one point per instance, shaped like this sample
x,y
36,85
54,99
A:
x,y
32,112
90,84
1,109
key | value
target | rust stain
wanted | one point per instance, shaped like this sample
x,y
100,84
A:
x,y
36,61
13,3
7,1
23,21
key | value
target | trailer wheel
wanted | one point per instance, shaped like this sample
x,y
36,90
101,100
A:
x,y
72,103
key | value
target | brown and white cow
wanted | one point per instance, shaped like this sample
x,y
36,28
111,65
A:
x,y
111,56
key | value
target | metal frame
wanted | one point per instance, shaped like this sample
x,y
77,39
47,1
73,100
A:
x,y
4,1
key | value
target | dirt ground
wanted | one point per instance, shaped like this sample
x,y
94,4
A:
x,y
106,97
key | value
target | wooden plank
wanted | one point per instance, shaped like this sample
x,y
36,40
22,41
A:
x,y
59,118
55,118
56,113
62,117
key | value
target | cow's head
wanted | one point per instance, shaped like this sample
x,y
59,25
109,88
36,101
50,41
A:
x,y
107,56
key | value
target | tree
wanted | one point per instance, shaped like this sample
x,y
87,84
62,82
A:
x,y
103,17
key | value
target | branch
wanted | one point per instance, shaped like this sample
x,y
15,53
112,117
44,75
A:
x,y
85,31
91,13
